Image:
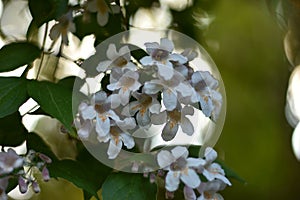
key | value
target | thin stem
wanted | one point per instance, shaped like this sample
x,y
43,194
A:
x,y
58,55
43,53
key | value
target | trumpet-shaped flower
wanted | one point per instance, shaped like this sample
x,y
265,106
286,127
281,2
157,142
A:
x,y
174,119
170,89
210,99
145,106
117,60
208,190
179,167
161,55
126,84
102,10
65,24
117,138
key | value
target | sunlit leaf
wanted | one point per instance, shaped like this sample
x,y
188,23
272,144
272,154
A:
x,y
125,186
54,100
12,131
17,54
13,94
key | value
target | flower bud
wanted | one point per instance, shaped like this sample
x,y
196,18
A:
x,y
35,186
23,186
45,158
45,174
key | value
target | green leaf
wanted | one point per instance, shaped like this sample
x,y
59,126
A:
x,y
46,10
12,131
125,186
17,54
13,94
67,82
54,100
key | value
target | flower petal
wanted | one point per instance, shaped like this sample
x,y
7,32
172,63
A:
x,y
114,149
190,178
210,154
189,193
102,66
147,60
102,18
172,181
296,141
166,44
180,151
186,126
152,88
143,119
115,101
88,113
128,140
169,131
165,71
124,96
195,162
160,118
165,158
169,99
178,58
84,130
102,125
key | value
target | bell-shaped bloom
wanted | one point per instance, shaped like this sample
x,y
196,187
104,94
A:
x,y
117,59
63,27
102,10
117,138
179,167
209,98
161,55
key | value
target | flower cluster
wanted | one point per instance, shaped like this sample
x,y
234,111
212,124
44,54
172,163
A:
x,y
14,166
159,89
180,167
65,23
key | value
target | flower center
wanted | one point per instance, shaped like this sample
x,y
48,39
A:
x,y
179,164
115,133
174,115
160,54
120,62
99,108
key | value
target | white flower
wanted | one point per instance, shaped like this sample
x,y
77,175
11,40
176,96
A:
x,y
212,170
161,55
65,24
145,106
170,89
179,168
117,60
210,99
117,138
9,161
174,119
184,68
126,84
102,10
208,190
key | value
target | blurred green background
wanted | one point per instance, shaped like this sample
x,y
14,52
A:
x,y
256,139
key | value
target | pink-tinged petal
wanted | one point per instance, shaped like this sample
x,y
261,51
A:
x,y
172,181
102,66
195,162
169,131
152,88
165,158
127,140
88,113
102,18
102,125
178,58
210,154
160,118
165,71
169,99
186,126
190,178
189,193
114,149
180,151
45,174
35,186
166,44
111,52
147,60
23,186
